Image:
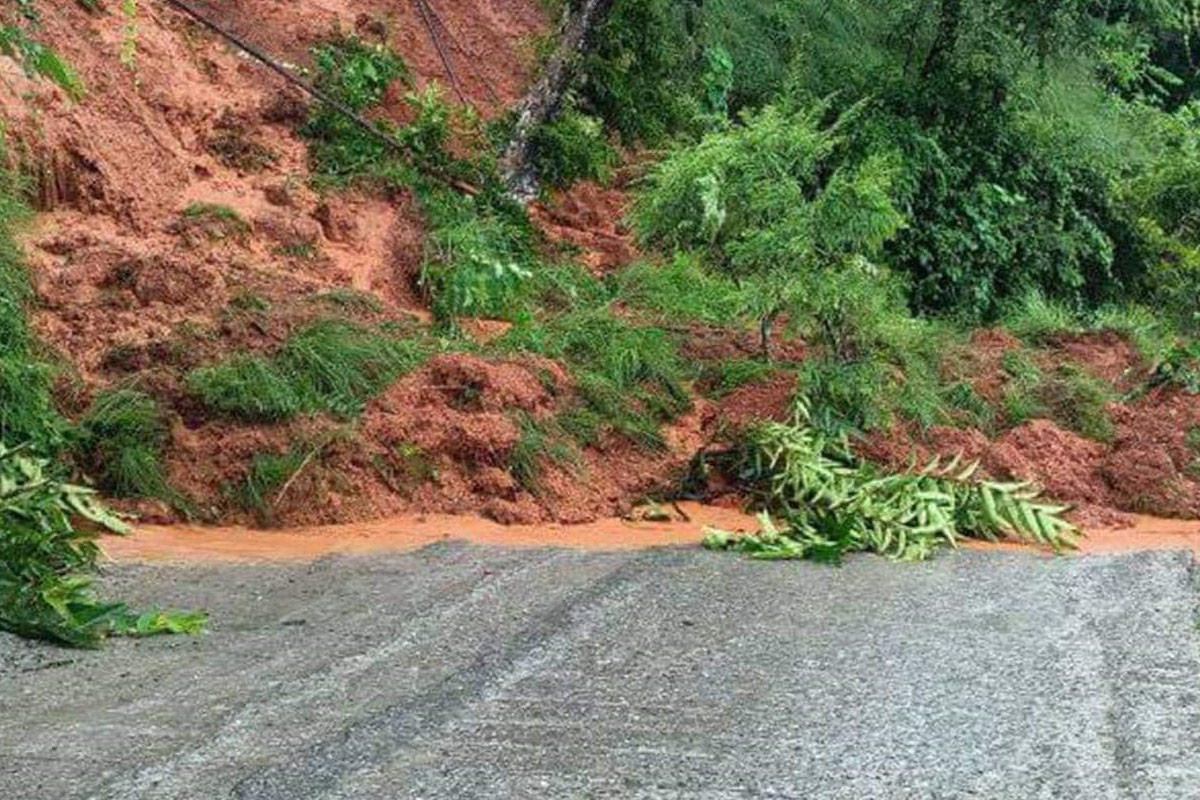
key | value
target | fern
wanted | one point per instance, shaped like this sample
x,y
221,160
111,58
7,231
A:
x,y
822,503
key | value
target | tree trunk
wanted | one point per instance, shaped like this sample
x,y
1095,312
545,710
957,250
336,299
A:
x,y
544,101
949,21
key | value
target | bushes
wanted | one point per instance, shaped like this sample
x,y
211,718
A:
x,y
46,562
332,366
572,148
479,256
775,204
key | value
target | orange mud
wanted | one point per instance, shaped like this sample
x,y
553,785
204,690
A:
x,y
182,544
178,543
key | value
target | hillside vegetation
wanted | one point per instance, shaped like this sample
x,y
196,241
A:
x,y
885,270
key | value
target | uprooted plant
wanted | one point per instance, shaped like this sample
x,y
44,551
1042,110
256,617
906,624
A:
x,y
820,502
46,562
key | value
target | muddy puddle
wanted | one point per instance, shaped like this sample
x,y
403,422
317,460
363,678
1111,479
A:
x,y
179,543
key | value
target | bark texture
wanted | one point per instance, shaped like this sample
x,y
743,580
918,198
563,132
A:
x,y
544,101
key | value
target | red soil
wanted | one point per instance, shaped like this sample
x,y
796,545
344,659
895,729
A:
x,y
128,289
589,219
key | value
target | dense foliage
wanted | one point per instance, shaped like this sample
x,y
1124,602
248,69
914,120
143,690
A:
x,y
1030,146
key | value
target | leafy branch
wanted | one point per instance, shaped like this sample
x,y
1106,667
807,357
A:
x,y
46,562
822,503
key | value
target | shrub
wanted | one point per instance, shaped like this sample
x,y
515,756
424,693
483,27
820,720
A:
x,y
46,562
478,257
775,204
572,148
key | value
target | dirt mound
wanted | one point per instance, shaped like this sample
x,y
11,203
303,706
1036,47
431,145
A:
x,y
590,219
1104,354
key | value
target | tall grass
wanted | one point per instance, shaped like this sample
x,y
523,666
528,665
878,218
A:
x,y
26,413
331,366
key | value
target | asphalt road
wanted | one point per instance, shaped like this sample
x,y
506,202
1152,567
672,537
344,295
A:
x,y
461,672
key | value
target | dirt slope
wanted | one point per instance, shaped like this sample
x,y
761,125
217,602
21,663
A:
x,y
135,291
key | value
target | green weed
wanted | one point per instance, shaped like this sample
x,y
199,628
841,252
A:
x,y
350,300
629,378
572,148
1037,320
726,377
540,441
46,563
331,366
122,437
213,221
259,492
682,291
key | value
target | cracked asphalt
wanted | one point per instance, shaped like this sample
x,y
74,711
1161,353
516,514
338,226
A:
x,y
467,672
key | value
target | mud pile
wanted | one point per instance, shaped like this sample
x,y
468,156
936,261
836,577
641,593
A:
x,y
142,274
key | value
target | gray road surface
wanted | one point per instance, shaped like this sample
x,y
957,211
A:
x,y
461,672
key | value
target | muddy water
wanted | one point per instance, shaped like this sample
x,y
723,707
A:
x,y
177,543
196,544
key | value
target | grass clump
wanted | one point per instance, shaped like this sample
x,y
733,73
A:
x,y
121,441
270,473
540,440
349,300
629,378
725,377
682,291
213,221
1066,395
822,503
331,366
26,412
1037,320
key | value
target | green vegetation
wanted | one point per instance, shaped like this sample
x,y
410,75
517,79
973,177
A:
x,y
121,441
26,413
572,148
828,503
330,366
1067,395
46,561
214,221
269,476
629,378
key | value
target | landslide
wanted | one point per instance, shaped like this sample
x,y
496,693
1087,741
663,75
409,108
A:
x,y
178,224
